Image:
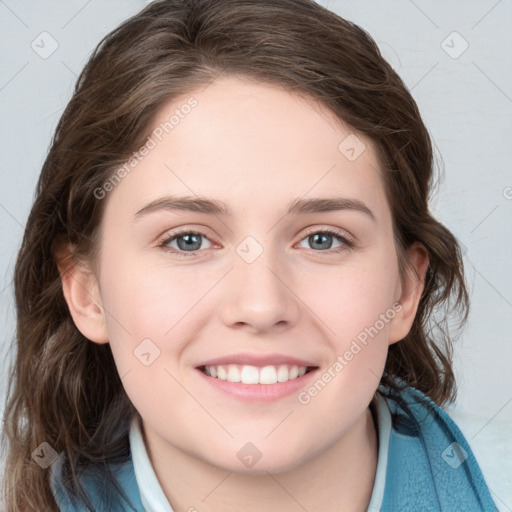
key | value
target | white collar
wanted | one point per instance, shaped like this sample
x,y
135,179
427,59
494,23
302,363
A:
x,y
383,425
152,497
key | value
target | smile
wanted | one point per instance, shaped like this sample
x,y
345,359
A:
x,y
248,374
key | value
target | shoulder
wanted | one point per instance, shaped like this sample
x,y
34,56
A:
x,y
109,486
430,463
491,442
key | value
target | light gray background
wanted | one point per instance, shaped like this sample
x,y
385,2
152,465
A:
x,y
465,98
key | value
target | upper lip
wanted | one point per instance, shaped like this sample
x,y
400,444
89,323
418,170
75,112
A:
x,y
256,360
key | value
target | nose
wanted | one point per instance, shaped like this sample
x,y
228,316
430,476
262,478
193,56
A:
x,y
258,295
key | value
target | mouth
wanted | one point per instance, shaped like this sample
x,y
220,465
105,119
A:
x,y
249,374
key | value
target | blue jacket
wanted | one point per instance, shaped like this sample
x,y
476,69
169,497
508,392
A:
x,y
430,466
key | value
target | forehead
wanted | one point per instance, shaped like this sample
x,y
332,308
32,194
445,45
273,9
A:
x,y
243,142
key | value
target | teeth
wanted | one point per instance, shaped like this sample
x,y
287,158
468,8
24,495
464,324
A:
x,y
268,375
233,374
282,373
248,374
221,373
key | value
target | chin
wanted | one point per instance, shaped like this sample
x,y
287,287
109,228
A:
x,y
248,460
262,468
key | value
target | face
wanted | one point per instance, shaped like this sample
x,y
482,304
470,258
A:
x,y
256,292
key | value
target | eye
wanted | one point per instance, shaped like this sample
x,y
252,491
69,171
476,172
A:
x,y
187,242
322,240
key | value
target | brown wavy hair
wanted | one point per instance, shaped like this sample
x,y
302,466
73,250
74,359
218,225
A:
x,y
65,390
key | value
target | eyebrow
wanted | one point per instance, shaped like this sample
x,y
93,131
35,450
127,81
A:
x,y
214,207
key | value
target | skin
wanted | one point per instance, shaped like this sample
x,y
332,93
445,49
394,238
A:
x,y
255,147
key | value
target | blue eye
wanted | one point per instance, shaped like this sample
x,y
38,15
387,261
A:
x,y
189,242
325,236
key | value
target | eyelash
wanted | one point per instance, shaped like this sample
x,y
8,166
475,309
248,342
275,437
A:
x,y
169,237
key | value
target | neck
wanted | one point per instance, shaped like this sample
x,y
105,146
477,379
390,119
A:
x,y
340,478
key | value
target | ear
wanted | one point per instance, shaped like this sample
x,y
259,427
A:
x,y
81,292
409,293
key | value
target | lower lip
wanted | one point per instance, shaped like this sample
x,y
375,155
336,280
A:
x,y
258,392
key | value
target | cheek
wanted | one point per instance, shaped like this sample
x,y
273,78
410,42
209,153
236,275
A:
x,y
142,303
353,299
355,312
148,328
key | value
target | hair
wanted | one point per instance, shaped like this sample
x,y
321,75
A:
x,y
64,389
